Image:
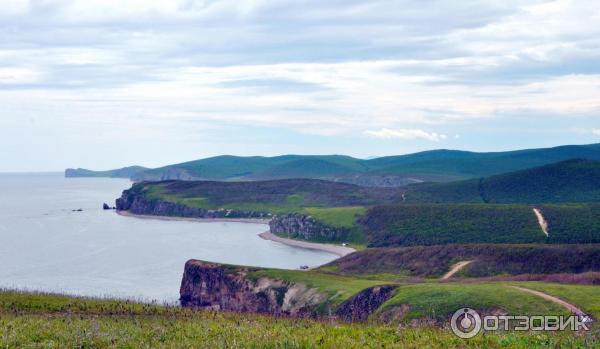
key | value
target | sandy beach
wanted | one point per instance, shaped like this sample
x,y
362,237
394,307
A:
x,y
330,248
199,220
335,249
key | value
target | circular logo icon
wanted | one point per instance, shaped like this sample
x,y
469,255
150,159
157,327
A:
x,y
465,323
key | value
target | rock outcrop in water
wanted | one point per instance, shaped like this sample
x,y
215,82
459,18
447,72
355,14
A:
x,y
296,225
138,203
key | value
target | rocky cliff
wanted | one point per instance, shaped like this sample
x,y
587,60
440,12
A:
x,y
137,203
365,303
218,287
231,288
296,225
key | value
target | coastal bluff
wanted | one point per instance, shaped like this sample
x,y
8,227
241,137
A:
x,y
207,285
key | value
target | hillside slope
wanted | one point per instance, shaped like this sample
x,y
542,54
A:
x,y
436,165
51,321
576,180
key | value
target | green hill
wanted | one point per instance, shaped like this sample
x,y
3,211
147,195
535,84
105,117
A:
x,y
434,224
486,260
462,164
575,180
125,172
274,196
436,165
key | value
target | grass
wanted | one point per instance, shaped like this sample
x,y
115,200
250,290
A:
x,y
344,217
586,297
50,321
487,260
337,287
440,300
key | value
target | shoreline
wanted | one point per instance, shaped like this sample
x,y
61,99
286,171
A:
x,y
340,251
192,219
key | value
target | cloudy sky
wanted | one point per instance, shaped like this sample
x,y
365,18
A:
x,y
109,83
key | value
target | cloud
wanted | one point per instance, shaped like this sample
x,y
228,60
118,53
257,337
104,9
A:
x,y
596,132
333,68
406,134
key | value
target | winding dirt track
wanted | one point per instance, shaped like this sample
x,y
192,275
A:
x,y
573,309
455,269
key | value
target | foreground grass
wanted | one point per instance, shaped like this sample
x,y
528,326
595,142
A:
x,y
50,321
586,297
440,300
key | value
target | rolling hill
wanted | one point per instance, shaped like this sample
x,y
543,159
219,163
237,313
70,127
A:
x,y
569,181
435,165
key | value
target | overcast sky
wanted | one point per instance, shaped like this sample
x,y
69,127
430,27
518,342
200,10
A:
x,y
109,83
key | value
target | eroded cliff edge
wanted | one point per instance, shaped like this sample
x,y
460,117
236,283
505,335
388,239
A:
x,y
293,225
214,286
219,287
136,201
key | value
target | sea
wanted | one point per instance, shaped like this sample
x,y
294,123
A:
x,y
55,237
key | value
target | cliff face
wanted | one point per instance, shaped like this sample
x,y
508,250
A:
x,y
301,226
138,203
365,303
213,286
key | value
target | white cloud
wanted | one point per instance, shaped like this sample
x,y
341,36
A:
x,y
406,134
596,131
333,68
18,76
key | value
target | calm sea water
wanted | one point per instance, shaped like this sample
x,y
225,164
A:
x,y
46,246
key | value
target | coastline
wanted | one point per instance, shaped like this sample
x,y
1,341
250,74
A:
x,y
198,220
340,251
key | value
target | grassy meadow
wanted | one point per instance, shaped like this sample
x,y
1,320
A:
x,y
53,321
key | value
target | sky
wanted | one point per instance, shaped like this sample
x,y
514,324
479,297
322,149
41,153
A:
x,y
108,83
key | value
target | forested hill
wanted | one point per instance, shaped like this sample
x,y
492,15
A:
x,y
575,180
436,165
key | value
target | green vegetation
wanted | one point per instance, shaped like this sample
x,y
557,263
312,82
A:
x,y
431,224
586,297
567,181
333,204
34,321
439,301
573,223
342,205
436,165
344,217
487,260
283,196
338,287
